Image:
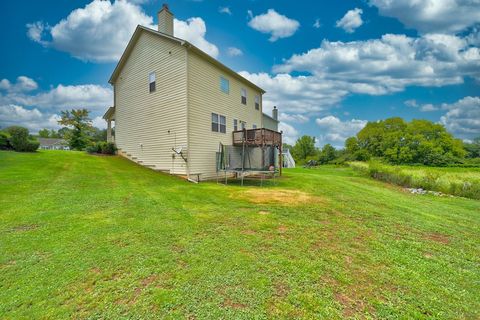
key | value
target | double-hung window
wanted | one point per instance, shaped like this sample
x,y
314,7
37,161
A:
x,y
244,96
224,85
235,124
257,102
151,81
219,123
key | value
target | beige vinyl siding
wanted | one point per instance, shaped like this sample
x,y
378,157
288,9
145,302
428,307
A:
x,y
142,118
270,123
205,97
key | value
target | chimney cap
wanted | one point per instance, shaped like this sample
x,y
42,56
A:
x,y
274,107
165,7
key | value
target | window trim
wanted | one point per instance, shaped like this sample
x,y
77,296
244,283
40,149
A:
x,y
218,125
243,98
235,125
257,102
227,82
152,87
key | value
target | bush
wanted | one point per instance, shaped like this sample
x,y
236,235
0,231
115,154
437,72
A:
x,y
102,147
21,141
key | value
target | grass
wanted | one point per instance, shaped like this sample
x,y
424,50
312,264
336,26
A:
x,y
458,181
100,237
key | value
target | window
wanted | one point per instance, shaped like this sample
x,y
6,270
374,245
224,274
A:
x,y
244,96
254,126
219,123
257,102
235,124
151,80
243,124
224,85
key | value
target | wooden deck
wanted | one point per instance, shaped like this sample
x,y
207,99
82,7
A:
x,y
257,137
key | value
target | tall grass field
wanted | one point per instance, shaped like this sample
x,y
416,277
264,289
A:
x,y
462,182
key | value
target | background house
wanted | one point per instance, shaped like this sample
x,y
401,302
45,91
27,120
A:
x,y
53,144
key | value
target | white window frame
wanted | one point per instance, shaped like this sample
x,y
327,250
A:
x,y
235,125
219,124
257,102
243,95
152,79
223,81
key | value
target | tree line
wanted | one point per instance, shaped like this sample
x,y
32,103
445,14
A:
x,y
395,141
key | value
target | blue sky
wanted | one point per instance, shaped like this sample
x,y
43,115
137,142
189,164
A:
x,y
329,66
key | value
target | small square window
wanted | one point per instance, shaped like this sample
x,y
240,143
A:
x,y
257,102
224,85
254,126
244,96
152,80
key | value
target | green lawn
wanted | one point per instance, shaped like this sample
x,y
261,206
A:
x,y
99,237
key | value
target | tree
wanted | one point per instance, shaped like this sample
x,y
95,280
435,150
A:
x,y
21,140
44,133
303,148
473,148
98,134
63,132
80,124
327,154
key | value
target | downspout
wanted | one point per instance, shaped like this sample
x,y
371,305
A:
x,y
188,118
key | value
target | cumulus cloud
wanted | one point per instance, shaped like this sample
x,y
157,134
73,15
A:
x,y
275,24
389,64
351,20
99,122
290,134
444,16
317,24
295,118
32,119
194,30
225,10
422,107
100,31
23,84
463,117
234,52
336,131
93,97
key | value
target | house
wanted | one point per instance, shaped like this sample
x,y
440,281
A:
x,y
174,104
53,144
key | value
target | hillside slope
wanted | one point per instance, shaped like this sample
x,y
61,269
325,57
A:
x,y
87,236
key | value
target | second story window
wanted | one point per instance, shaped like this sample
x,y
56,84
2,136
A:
x,y
219,123
235,124
244,96
224,85
151,80
257,102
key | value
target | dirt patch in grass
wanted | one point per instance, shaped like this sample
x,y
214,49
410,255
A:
x,y
24,227
263,212
249,232
437,237
278,196
228,303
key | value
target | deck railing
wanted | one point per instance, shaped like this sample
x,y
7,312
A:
x,y
257,137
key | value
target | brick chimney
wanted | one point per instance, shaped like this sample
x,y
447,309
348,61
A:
x,y
275,113
165,20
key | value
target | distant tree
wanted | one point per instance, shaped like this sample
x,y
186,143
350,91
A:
x,y
286,146
44,133
80,124
54,134
63,132
473,148
303,148
327,154
98,135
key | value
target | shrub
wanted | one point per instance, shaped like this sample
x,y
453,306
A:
x,y
102,147
21,141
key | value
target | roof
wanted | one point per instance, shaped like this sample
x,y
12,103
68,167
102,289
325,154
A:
x,y
109,113
181,42
273,119
51,141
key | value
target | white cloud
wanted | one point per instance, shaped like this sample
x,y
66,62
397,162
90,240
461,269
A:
x,y
100,31
290,134
449,16
389,64
295,118
336,131
317,24
422,107
225,10
194,30
23,84
351,20
463,117
234,52
277,25
32,119
99,122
